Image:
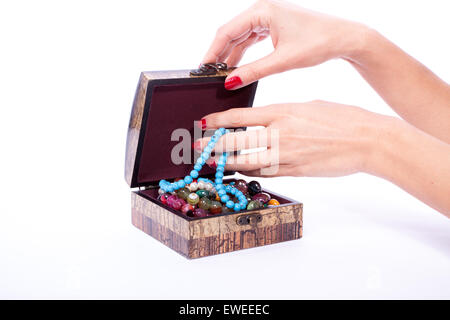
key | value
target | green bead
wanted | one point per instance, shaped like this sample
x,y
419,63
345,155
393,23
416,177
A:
x,y
204,203
193,199
183,193
254,204
225,209
202,193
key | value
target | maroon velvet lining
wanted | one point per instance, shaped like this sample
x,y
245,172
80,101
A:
x,y
178,106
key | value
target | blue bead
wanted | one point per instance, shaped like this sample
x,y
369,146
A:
x,y
194,174
222,131
219,187
219,174
221,163
188,179
205,156
220,169
237,207
211,144
227,188
214,138
230,204
181,183
221,192
208,149
224,198
169,189
198,167
233,191
219,180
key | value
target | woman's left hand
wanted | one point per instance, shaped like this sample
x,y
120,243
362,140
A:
x,y
302,139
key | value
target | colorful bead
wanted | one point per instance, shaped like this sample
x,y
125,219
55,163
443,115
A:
x,y
194,173
241,185
183,193
254,187
261,197
273,202
193,198
199,212
186,208
254,204
193,187
202,193
215,207
230,204
204,203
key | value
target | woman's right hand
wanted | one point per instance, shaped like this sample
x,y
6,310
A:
x,y
301,38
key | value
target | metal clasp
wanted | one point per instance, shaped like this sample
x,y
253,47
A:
x,y
208,69
252,219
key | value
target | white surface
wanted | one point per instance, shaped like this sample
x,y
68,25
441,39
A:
x,y
68,72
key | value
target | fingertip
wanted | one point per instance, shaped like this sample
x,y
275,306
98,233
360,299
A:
x,y
233,82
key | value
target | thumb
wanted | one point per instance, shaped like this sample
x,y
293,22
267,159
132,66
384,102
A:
x,y
254,71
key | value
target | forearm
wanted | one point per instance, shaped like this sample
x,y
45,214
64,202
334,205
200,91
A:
x,y
413,91
413,160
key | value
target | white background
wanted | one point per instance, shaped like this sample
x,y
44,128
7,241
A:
x,y
68,71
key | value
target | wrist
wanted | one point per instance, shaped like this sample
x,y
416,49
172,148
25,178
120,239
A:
x,y
383,145
363,43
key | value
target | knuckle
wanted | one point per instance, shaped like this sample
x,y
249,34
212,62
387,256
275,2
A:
x,y
221,33
236,116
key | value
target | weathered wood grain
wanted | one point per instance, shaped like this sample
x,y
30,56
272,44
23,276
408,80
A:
x,y
214,235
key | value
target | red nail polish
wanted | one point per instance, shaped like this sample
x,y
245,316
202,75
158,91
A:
x,y
203,124
232,82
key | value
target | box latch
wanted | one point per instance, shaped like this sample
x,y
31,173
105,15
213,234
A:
x,y
252,219
208,69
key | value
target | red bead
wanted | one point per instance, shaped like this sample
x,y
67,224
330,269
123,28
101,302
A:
x,y
186,208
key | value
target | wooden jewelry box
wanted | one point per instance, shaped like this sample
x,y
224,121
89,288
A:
x,y
170,100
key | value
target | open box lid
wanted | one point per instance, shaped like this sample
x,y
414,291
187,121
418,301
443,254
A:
x,y
170,100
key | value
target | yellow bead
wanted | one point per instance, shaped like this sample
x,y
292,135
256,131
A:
x,y
273,202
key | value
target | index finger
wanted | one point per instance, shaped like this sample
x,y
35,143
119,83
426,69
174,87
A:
x,y
239,117
238,27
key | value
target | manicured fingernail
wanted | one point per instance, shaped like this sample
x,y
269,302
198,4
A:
x,y
232,82
201,124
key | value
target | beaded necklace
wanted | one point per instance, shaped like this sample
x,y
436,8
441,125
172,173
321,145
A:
x,y
221,189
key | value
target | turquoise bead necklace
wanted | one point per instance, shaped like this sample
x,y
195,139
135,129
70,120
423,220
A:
x,y
221,189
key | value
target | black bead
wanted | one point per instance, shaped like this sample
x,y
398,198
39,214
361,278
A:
x,y
254,187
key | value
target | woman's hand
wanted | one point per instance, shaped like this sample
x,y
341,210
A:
x,y
327,139
301,38
302,139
